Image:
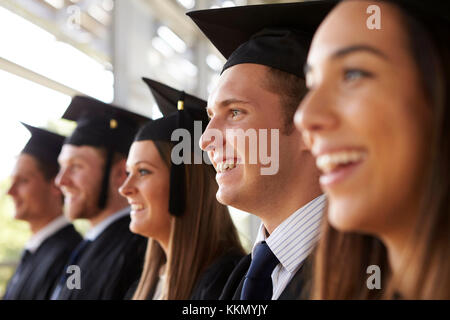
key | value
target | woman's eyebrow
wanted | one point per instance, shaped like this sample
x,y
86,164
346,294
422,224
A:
x,y
140,162
358,48
349,50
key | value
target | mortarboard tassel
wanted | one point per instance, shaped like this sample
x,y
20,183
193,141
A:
x,y
177,197
103,197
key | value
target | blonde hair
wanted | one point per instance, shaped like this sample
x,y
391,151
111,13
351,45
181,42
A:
x,y
202,234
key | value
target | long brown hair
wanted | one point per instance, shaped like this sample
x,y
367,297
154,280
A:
x,y
202,234
342,257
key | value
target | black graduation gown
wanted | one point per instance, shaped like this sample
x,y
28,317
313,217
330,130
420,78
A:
x,y
109,265
297,289
212,281
40,272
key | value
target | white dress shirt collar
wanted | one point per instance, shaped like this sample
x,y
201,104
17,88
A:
x,y
295,237
94,232
46,232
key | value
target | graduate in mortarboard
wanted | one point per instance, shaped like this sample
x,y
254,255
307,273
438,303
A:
x,y
377,118
40,203
193,243
260,87
92,163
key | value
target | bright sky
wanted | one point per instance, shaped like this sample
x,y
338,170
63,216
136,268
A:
x,y
21,100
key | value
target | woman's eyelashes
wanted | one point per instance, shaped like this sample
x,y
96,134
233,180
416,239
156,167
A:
x,y
353,74
349,75
144,172
140,172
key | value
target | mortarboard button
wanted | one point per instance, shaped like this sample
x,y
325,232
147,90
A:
x,y
180,105
113,123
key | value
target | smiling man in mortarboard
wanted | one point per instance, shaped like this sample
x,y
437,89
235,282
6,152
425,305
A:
x,y
40,203
92,169
260,87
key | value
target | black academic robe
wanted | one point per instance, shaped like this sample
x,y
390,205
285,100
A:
x,y
109,265
40,272
211,282
297,289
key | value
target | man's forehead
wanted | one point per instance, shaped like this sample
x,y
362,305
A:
x,y
25,165
245,72
71,152
240,84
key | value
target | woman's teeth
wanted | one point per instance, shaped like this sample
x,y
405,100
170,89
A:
x,y
328,162
137,207
225,166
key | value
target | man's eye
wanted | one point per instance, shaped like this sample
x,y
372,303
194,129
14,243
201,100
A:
x,y
75,166
354,74
235,113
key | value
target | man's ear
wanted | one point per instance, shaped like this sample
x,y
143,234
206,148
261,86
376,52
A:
x,y
118,173
54,189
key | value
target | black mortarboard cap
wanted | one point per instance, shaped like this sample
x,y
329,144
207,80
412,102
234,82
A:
x,y
274,35
179,110
44,145
102,125
167,98
437,9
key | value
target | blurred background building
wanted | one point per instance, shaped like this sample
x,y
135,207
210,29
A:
x,y
51,50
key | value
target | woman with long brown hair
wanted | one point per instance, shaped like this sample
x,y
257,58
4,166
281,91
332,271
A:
x,y
377,120
193,244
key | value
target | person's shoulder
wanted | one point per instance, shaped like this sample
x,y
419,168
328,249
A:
x,y
65,239
227,260
70,234
117,232
212,281
299,287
